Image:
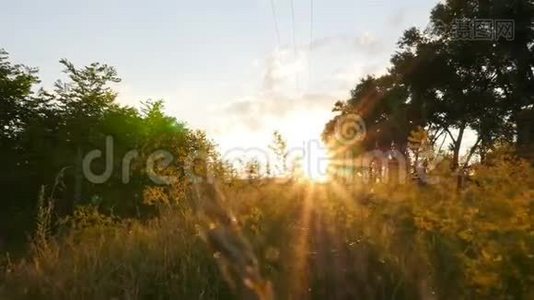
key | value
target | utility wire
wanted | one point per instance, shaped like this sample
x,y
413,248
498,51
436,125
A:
x,y
275,20
311,23
294,41
293,26
311,41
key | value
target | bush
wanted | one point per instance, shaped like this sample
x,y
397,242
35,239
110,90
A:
x,y
329,241
101,258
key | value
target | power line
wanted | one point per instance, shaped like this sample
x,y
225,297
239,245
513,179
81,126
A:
x,y
275,20
311,23
293,27
311,41
294,42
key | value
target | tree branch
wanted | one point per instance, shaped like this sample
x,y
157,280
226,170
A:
x,y
472,152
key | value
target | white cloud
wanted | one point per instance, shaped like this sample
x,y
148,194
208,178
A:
x,y
282,68
295,95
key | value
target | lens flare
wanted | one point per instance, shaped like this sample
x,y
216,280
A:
x,y
316,162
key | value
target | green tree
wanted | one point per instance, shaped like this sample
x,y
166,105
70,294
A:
x,y
449,85
16,103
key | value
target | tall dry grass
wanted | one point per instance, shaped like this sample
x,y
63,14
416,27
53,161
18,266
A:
x,y
101,258
301,241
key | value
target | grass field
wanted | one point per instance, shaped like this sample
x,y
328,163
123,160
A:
x,y
308,240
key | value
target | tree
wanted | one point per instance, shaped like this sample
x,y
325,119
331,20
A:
x,y
16,103
377,116
16,83
84,101
44,136
450,85
279,148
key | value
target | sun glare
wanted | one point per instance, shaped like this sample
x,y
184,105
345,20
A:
x,y
315,163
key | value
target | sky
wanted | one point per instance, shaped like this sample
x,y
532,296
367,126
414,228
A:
x,y
237,69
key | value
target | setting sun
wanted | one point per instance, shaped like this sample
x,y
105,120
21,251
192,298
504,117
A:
x,y
315,162
267,149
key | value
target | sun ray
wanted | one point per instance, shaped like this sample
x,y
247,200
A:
x,y
316,163
302,235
